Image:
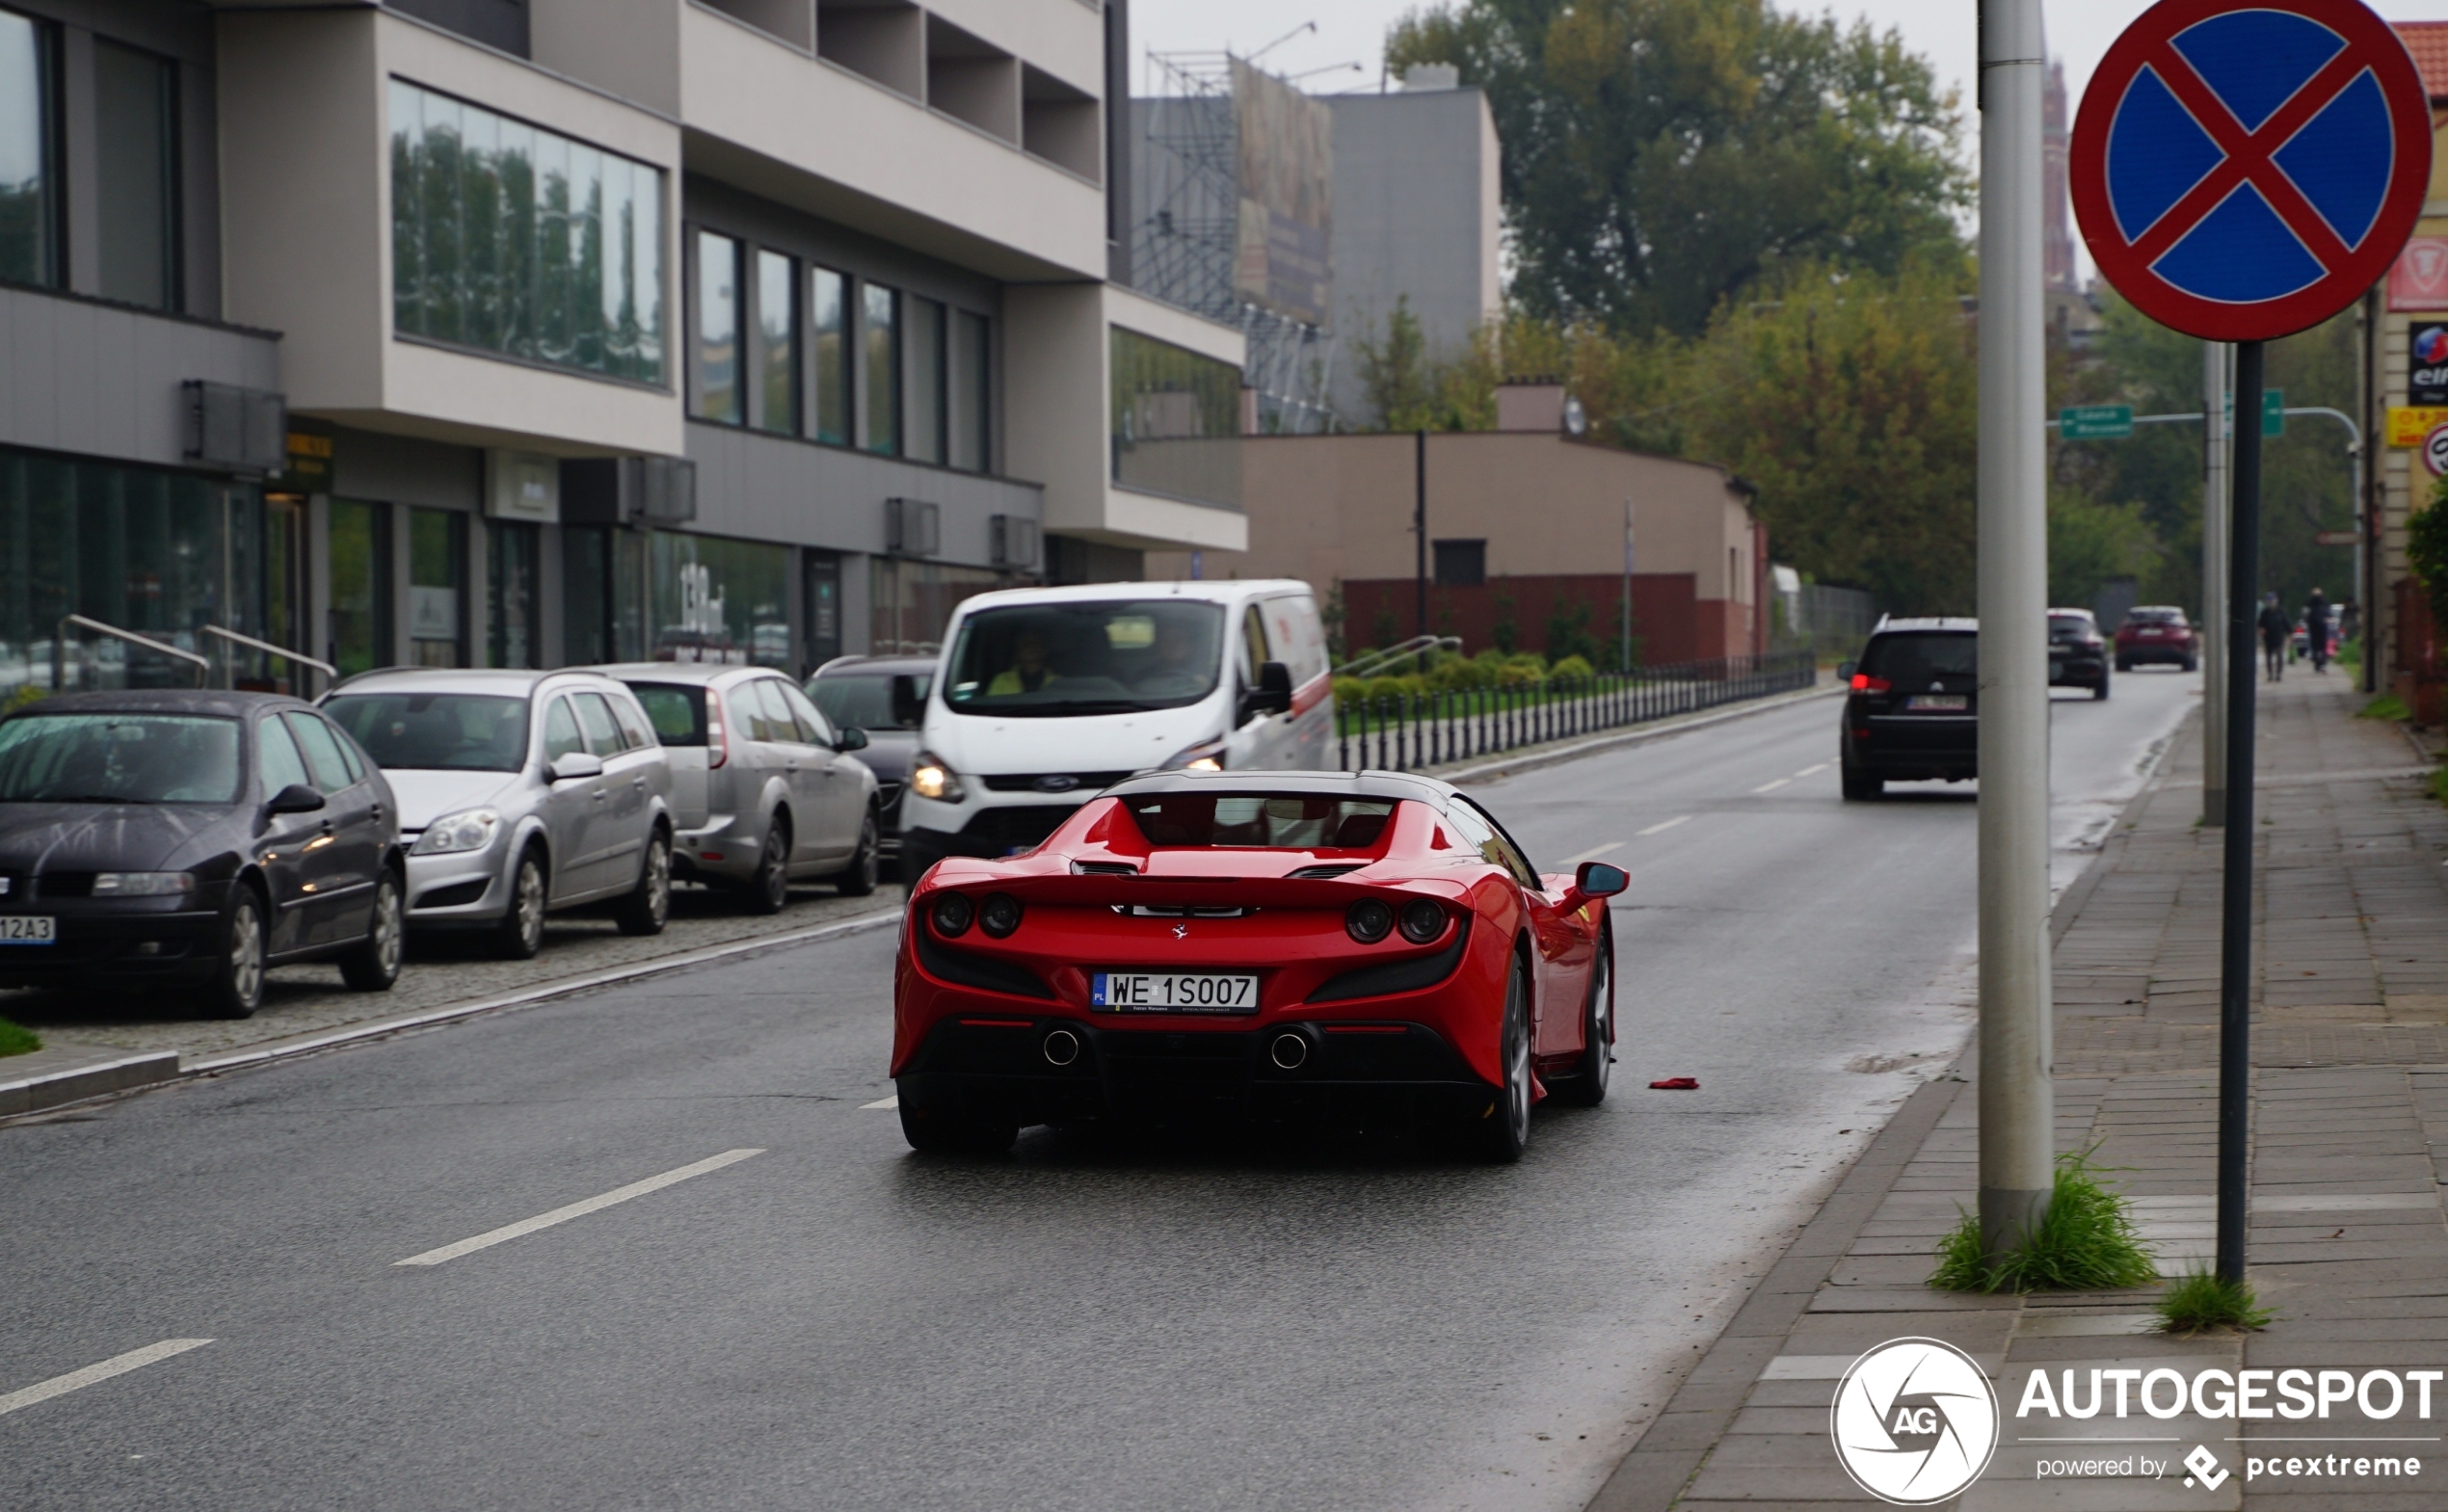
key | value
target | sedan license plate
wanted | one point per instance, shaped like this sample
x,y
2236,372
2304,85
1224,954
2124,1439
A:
x,y
1938,702
29,929
1166,992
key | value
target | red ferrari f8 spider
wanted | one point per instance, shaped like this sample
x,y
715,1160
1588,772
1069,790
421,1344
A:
x,y
1254,944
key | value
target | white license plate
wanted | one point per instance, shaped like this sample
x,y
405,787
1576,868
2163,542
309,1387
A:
x,y
1938,702
1165,992
29,929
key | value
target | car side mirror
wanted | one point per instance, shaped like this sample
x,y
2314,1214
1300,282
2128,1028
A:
x,y
849,740
909,705
1273,694
1844,670
1597,879
574,765
296,798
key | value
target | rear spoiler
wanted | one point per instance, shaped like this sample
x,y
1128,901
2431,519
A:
x,y
1283,892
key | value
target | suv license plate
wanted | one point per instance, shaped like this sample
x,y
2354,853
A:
x,y
1938,702
1165,992
29,929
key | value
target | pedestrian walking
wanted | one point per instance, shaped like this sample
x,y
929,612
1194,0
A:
x,y
2316,631
2275,632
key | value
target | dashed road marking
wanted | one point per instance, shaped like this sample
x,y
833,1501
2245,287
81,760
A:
x,y
1769,787
1812,771
1680,818
1594,852
117,1365
893,1101
527,1225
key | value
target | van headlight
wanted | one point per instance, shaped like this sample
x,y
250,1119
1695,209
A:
x,y
468,829
1208,756
932,776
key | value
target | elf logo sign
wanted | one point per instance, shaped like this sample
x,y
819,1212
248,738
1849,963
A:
x,y
2427,364
1914,1421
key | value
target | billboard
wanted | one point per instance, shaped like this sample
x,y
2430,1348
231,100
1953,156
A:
x,y
1286,171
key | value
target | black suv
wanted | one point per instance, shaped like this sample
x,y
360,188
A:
x,y
2077,652
1913,711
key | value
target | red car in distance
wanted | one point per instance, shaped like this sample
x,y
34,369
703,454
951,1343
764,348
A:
x,y
1194,946
2156,633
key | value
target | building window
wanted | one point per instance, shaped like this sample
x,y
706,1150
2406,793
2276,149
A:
x,y
973,393
514,617
586,595
510,238
718,329
359,545
924,417
1176,421
29,145
823,574
828,335
881,327
909,603
437,575
720,600
136,175
1461,564
777,343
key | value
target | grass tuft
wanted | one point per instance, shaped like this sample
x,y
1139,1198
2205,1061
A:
x,y
2439,785
2388,705
2202,1300
2086,1243
17,1041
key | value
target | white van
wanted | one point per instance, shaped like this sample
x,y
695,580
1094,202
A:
x,y
1044,696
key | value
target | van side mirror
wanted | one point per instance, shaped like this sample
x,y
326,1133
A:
x,y
849,740
1273,694
909,705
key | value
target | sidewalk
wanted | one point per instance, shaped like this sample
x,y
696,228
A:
x,y
2347,1241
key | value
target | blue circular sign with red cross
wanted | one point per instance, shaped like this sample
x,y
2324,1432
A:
x,y
2246,169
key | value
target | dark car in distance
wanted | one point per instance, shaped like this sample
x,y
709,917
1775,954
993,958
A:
x,y
2157,634
192,838
2077,652
884,696
1913,711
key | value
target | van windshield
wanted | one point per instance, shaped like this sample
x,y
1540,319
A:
x,y
1116,657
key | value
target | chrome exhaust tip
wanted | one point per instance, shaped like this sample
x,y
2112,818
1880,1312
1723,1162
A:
x,y
1290,1050
1062,1047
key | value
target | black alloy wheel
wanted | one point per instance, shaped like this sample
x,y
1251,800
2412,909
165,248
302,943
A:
x,y
770,888
235,987
943,1131
1506,1127
645,908
1588,1086
858,879
520,932
373,964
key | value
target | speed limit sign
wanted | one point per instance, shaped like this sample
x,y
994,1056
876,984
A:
x,y
2435,450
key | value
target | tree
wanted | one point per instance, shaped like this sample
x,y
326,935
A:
x,y
1661,155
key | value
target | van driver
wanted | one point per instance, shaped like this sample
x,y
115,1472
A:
x,y
1028,672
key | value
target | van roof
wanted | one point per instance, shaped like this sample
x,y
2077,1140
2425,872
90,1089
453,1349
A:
x,y
1207,590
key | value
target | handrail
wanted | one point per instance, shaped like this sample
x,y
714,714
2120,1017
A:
x,y
330,672
1397,652
60,648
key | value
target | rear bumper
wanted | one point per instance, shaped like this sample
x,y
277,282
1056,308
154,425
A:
x,y
2081,671
2145,653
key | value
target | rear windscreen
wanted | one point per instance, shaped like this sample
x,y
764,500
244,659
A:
x,y
1290,821
1915,657
676,710
2156,617
2069,626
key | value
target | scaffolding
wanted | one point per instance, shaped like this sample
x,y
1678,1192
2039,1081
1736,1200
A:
x,y
1186,246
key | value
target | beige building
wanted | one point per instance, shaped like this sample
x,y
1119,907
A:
x,y
1525,527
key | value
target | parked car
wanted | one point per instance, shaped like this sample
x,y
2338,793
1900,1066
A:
x,y
764,788
884,696
521,793
2157,634
1913,711
2077,652
1194,945
1047,696
193,838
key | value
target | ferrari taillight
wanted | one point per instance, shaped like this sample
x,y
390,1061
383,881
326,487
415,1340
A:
x,y
1422,922
1368,921
952,913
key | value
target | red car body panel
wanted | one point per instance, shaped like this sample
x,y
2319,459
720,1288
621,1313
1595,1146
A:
x,y
1082,913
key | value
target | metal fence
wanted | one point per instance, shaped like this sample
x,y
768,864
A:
x,y
1411,730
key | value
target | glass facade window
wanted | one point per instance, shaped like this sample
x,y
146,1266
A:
x,y
829,338
437,580
720,600
513,618
973,393
924,428
824,608
880,325
29,153
360,566
909,603
510,238
1176,421
136,175
777,343
586,595
719,396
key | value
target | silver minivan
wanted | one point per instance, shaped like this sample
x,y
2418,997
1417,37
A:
x,y
519,792
764,789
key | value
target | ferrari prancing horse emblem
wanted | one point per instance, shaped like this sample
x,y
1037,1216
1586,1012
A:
x,y
1181,931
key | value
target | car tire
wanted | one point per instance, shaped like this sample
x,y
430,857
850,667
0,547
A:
x,y
521,933
2099,689
769,890
941,1131
646,908
1860,786
1503,1129
373,964
2193,664
858,879
2122,665
235,987
1588,1086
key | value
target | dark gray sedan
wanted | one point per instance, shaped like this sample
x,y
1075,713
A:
x,y
885,696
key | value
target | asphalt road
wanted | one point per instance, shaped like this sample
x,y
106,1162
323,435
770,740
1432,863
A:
x,y
835,1322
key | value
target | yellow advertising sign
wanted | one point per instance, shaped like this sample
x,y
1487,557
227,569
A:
x,y
2408,424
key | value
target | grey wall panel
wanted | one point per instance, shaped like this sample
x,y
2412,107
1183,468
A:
x,y
401,469
773,488
104,380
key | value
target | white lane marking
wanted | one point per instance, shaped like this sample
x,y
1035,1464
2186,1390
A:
x,y
527,1225
117,1365
1594,853
1680,818
1769,787
1812,771
893,1101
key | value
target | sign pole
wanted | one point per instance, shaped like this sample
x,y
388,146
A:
x,y
2017,1102
2211,637
2235,899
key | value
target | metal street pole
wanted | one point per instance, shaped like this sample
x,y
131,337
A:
x,y
1420,529
1627,583
2018,1102
2208,636
2235,894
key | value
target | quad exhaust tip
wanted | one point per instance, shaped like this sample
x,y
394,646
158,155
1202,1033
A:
x,y
1290,1050
1062,1047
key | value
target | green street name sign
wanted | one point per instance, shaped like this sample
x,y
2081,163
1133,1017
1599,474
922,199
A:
x,y
2273,411
2095,422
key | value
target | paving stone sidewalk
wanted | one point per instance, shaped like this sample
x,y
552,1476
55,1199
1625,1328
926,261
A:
x,y
2348,1242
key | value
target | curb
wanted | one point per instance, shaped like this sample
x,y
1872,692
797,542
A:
x,y
86,1076
1530,761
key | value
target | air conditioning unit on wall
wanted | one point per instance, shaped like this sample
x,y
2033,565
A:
x,y
1013,540
245,430
913,527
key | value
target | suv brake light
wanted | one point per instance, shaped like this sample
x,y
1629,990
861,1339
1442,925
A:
x,y
1864,683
